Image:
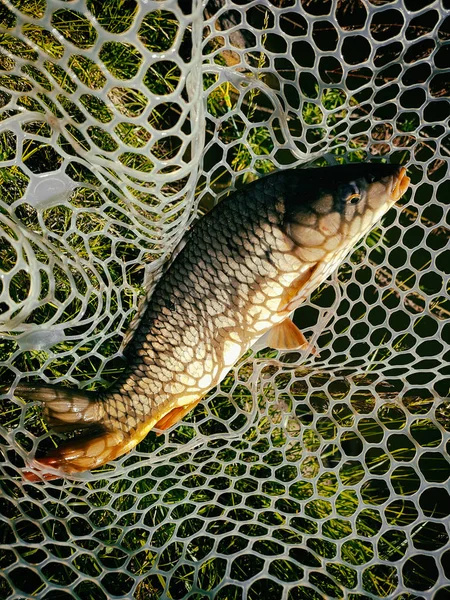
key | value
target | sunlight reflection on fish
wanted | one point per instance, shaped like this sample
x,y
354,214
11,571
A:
x,y
244,268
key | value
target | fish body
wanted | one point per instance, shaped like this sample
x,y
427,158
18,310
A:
x,y
244,268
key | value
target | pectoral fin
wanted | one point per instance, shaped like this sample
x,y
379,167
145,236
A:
x,y
294,295
284,336
175,415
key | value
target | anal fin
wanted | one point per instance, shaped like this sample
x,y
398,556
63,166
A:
x,y
175,415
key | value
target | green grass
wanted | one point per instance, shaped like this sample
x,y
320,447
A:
x,y
258,495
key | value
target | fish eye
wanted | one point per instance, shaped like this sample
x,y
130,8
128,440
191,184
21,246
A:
x,y
354,195
353,198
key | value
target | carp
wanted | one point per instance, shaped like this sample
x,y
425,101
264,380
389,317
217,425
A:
x,y
244,267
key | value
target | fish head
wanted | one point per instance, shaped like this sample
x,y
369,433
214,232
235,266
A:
x,y
333,207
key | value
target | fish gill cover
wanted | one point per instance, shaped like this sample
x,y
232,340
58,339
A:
x,y
299,476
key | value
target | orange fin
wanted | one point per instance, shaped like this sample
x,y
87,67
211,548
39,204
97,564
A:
x,y
34,477
175,415
401,185
285,336
80,454
292,297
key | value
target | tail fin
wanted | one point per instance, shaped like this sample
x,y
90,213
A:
x,y
68,410
79,454
65,409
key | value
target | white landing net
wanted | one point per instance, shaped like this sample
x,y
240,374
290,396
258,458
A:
x,y
298,477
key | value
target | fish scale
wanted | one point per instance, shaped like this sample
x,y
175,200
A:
x,y
244,267
255,224
203,311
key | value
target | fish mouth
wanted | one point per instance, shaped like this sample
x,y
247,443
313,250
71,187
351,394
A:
x,y
399,185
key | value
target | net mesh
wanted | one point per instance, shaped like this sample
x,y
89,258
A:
x,y
298,477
